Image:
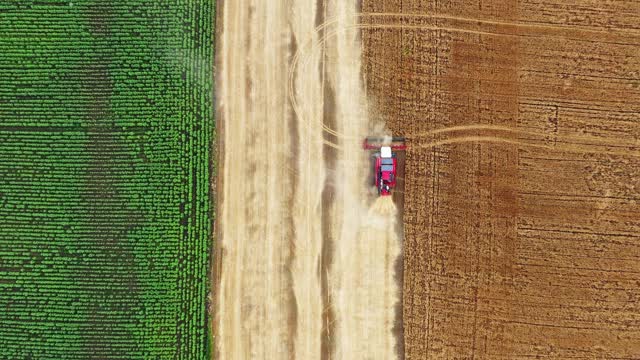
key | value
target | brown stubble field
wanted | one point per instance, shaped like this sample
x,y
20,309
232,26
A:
x,y
522,239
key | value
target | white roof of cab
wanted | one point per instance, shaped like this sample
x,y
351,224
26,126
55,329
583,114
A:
x,y
385,152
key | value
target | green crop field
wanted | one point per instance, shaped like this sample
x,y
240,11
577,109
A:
x,y
106,125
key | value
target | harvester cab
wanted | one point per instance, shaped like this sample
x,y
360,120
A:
x,y
385,162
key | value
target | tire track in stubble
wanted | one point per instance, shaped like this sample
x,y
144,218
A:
x,y
509,29
308,206
568,146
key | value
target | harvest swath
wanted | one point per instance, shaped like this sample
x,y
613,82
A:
x,y
105,126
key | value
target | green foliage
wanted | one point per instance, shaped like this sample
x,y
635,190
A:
x,y
105,133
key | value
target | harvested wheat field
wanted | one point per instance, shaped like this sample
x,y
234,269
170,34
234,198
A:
x,y
305,255
521,204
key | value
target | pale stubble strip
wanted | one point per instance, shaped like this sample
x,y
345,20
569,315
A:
x,y
272,250
255,297
310,182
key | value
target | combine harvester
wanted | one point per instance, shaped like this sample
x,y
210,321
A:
x,y
385,162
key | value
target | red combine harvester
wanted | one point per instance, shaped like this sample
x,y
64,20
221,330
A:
x,y
385,163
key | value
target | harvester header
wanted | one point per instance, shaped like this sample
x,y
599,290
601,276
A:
x,y
376,142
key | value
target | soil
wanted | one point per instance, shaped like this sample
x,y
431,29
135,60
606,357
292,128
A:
x,y
522,238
